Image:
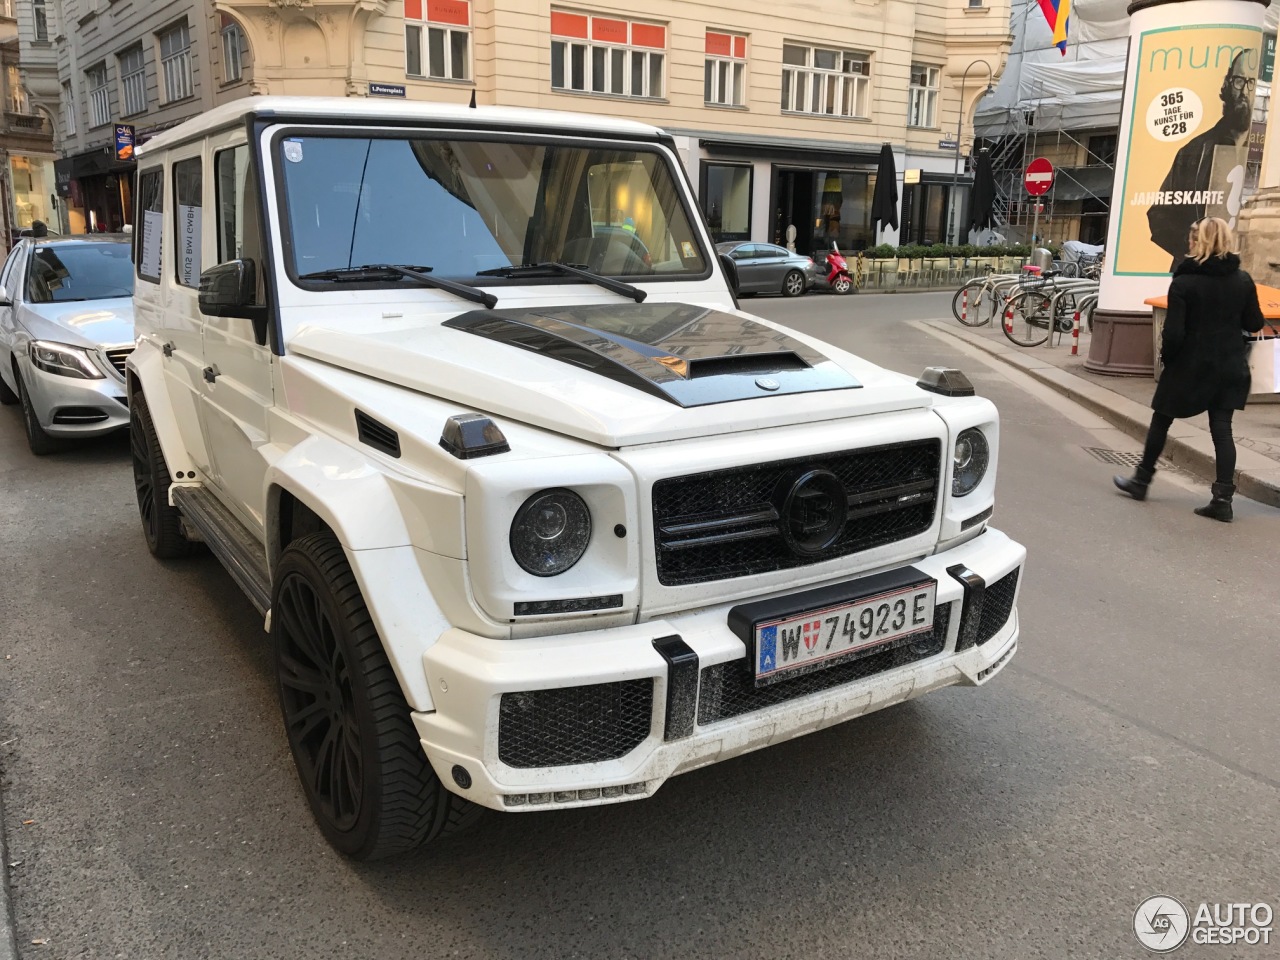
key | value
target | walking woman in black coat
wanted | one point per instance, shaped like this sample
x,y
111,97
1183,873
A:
x,y
1212,304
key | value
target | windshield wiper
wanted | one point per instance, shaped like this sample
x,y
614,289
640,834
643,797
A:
x,y
392,271
568,270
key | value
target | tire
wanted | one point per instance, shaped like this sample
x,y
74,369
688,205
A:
x,y
793,284
1066,313
161,523
1026,318
976,309
41,443
7,397
843,285
370,788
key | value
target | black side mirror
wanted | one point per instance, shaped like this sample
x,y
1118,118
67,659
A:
x,y
230,289
730,268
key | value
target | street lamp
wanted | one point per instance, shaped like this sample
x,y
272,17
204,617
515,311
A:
x,y
955,172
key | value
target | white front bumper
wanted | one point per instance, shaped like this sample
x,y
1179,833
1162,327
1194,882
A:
x,y
469,674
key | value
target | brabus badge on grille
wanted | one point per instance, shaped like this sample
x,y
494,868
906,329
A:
x,y
767,383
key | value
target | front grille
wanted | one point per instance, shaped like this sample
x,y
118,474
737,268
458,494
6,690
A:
x,y
729,690
730,523
589,724
997,605
117,358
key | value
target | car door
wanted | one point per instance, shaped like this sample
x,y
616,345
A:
x,y
9,277
773,267
238,375
749,265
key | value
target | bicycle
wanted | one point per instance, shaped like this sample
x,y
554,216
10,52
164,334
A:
x,y
977,301
1027,314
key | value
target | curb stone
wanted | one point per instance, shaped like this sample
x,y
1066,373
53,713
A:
x,y
1189,446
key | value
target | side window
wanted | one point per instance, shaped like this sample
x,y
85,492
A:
x,y
8,274
187,222
239,226
150,221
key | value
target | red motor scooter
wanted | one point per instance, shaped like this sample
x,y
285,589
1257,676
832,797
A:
x,y
838,277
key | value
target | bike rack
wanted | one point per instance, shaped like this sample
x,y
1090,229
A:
x,y
1089,288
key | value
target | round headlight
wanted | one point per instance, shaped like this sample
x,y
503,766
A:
x,y
972,455
550,532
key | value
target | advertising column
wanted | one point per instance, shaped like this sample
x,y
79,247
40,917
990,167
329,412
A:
x,y
1184,143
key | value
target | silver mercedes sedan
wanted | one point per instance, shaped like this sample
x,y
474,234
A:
x,y
66,329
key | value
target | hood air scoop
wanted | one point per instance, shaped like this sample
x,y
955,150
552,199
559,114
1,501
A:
x,y
687,355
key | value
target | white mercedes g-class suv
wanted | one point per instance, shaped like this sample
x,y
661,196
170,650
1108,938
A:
x,y
536,517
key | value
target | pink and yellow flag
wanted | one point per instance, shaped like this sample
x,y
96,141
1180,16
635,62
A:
x,y
1058,14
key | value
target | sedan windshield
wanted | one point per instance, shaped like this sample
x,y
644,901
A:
x,y
65,272
466,207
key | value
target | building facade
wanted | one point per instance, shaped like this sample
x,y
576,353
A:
x,y
779,112
28,73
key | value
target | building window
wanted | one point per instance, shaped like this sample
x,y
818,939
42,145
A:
x,y
99,96
40,15
438,46
725,79
1102,150
175,62
133,80
6,9
232,52
726,200
922,105
607,56
68,110
834,83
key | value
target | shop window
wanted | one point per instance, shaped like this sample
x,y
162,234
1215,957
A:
x,y
187,222
603,55
726,201
33,185
175,62
817,80
438,45
133,80
150,224
232,52
40,17
99,96
724,82
922,108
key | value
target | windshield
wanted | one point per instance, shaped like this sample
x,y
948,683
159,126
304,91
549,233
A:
x,y
65,272
460,207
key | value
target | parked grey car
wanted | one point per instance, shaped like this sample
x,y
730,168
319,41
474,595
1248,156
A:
x,y
766,268
66,329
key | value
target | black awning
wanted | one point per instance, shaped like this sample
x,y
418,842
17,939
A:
x,y
1083,183
808,152
92,163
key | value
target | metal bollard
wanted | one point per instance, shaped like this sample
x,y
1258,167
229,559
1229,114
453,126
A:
x,y
1008,320
964,304
1075,335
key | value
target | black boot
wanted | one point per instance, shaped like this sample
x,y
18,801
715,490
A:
x,y
1136,486
1219,508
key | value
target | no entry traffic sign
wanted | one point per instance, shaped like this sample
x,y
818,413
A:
x,y
1039,177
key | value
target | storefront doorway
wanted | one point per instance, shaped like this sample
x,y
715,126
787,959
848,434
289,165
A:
x,y
824,206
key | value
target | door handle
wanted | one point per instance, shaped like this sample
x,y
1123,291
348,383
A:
x,y
167,349
211,374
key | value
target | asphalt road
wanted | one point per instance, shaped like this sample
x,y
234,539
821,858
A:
x,y
1128,750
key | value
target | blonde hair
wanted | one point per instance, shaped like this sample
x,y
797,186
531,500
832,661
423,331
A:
x,y
1211,237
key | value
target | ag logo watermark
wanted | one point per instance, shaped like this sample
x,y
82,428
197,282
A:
x,y
1162,924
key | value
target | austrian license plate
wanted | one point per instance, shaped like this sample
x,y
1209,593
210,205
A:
x,y
821,638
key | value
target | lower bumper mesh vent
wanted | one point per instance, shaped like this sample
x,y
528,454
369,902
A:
x,y
588,724
729,690
997,606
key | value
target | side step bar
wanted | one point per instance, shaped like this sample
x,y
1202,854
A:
x,y
230,540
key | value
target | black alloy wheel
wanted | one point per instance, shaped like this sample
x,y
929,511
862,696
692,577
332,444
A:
x,y
369,785
161,523
793,284
41,443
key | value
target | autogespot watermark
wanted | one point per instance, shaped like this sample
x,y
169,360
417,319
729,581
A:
x,y
1162,924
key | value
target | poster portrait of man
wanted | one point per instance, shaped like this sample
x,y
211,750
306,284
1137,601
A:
x,y
1211,163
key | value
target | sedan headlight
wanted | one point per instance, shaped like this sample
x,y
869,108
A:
x,y
972,454
550,532
64,360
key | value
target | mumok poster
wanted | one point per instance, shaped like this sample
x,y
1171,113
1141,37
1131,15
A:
x,y
1188,139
